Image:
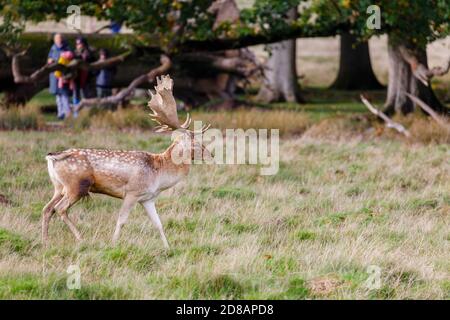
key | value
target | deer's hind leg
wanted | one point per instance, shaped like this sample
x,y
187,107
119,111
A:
x,y
49,210
61,208
71,196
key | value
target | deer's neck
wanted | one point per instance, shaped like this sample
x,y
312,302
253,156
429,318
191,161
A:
x,y
172,171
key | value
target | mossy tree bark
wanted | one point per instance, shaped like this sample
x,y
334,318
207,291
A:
x,y
402,80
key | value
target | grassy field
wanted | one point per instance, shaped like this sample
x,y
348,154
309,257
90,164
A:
x,y
343,200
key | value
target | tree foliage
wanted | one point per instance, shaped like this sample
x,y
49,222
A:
x,y
164,22
415,22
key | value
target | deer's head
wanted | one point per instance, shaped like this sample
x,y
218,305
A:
x,y
164,108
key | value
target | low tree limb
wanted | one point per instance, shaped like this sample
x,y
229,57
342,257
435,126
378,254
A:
x,y
440,120
389,122
124,93
242,64
100,64
35,76
42,72
261,37
102,28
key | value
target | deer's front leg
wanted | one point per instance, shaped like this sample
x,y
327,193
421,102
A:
x,y
153,215
128,204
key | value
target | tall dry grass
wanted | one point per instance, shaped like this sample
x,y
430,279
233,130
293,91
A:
x,y
423,129
288,122
21,118
129,118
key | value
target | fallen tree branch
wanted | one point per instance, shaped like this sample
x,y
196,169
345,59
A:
x,y
35,76
440,120
42,72
389,122
124,93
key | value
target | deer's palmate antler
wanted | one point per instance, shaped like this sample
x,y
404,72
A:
x,y
164,108
134,176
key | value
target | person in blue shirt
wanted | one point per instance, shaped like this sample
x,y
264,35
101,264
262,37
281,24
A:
x,y
59,46
104,78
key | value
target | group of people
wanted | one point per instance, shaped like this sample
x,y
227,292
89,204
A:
x,y
69,88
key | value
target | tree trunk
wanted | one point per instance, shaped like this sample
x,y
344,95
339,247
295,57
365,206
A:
x,y
355,69
281,83
402,80
22,93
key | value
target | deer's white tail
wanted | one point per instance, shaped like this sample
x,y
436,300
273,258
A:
x,y
51,168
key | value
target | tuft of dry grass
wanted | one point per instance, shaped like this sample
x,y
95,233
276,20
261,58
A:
x,y
123,118
426,130
423,129
339,128
21,118
288,122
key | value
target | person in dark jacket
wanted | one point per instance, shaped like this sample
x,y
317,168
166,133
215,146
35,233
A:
x,y
59,46
105,77
82,88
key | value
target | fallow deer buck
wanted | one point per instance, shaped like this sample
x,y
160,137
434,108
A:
x,y
134,176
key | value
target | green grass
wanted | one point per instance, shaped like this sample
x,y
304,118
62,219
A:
x,y
13,242
334,209
36,286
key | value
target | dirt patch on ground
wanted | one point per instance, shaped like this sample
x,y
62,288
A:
x,y
4,200
324,286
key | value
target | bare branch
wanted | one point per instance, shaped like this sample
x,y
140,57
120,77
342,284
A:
x,y
419,70
34,77
389,122
124,93
102,28
100,64
440,120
